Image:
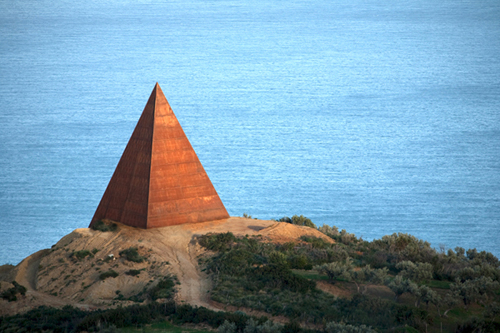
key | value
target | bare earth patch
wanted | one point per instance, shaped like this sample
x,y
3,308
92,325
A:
x,y
347,290
338,290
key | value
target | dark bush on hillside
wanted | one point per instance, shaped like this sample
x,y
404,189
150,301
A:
x,y
378,259
475,324
81,254
133,272
104,227
217,242
69,319
316,242
329,231
279,277
334,327
135,315
298,220
110,273
482,257
44,319
300,262
234,262
131,254
401,246
164,289
11,293
291,327
139,315
415,271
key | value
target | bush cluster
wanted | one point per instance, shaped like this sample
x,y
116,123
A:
x,y
249,273
11,293
110,273
81,254
133,272
258,275
131,254
164,289
103,226
70,319
217,242
298,220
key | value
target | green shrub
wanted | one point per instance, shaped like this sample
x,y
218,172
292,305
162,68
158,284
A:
x,y
217,242
298,220
133,272
164,288
227,327
334,327
335,270
43,319
292,327
415,271
329,231
81,254
316,242
110,273
131,254
279,276
11,293
103,226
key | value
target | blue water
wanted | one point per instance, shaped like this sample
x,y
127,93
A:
x,y
374,116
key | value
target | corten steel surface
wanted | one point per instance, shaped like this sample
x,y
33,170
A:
x,y
159,180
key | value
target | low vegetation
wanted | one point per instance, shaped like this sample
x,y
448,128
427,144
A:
x,y
104,226
131,254
164,289
71,319
133,272
12,293
454,289
108,274
298,220
79,255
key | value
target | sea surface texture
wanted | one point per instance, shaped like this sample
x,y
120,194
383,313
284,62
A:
x,y
373,116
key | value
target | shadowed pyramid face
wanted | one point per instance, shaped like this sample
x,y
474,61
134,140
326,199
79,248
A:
x,y
159,180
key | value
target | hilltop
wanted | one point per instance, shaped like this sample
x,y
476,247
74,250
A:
x,y
71,272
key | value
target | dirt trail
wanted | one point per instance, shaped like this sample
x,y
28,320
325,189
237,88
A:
x,y
58,276
28,268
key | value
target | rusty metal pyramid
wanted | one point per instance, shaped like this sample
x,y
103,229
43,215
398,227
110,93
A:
x,y
159,180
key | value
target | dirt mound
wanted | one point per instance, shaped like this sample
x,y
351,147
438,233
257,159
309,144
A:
x,y
286,232
70,272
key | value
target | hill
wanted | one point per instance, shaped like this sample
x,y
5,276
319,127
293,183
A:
x,y
80,269
303,278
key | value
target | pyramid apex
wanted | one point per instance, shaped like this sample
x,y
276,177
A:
x,y
157,92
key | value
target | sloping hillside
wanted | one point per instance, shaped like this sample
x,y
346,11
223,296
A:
x,y
71,272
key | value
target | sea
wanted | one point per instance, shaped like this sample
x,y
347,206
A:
x,y
373,116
